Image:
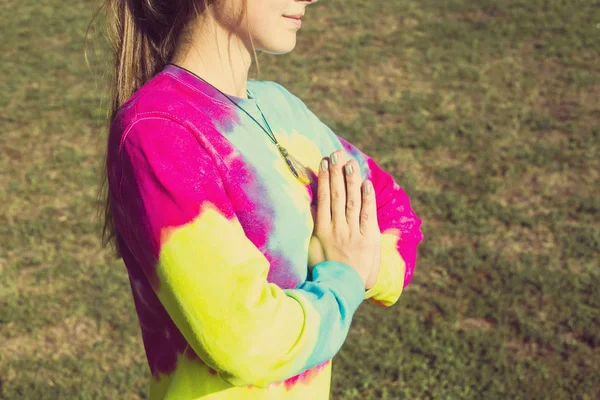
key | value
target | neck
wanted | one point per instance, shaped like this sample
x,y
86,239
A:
x,y
206,55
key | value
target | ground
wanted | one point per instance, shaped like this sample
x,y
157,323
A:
x,y
486,112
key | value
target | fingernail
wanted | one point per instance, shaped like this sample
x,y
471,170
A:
x,y
324,165
334,158
368,188
348,169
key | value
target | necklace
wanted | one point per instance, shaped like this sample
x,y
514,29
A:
x,y
295,166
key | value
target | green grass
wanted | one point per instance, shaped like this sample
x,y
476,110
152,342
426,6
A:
x,y
485,111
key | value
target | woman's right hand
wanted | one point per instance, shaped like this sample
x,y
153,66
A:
x,y
346,217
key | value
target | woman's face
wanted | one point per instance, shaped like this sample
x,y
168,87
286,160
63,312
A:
x,y
271,32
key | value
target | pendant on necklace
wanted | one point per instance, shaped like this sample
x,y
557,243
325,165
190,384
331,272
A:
x,y
295,166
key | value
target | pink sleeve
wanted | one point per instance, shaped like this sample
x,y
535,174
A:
x,y
399,225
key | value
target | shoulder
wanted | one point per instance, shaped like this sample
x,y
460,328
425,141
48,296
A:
x,y
158,103
156,97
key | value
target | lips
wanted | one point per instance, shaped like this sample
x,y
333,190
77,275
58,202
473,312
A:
x,y
297,22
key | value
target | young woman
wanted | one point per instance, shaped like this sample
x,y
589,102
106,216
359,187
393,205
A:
x,y
250,231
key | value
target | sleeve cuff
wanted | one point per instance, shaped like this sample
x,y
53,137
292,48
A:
x,y
342,279
390,281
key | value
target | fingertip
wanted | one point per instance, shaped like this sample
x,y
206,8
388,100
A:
x,y
368,186
324,166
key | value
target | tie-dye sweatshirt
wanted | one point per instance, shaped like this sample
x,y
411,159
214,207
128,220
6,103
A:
x,y
214,231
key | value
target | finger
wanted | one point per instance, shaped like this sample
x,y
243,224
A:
x,y
368,212
323,196
338,188
353,195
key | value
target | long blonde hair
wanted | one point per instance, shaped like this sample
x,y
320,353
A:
x,y
143,35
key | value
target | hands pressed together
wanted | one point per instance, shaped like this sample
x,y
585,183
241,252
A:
x,y
346,228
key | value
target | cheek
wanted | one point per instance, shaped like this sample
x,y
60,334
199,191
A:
x,y
263,25
266,14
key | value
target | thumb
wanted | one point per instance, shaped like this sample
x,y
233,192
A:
x,y
313,212
315,252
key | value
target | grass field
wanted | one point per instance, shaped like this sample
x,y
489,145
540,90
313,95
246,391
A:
x,y
487,112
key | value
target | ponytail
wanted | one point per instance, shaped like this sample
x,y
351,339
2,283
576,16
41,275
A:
x,y
143,35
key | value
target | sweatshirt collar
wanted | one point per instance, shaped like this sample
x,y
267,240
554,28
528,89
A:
x,y
194,81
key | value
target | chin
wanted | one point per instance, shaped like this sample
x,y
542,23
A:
x,y
282,47
277,52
